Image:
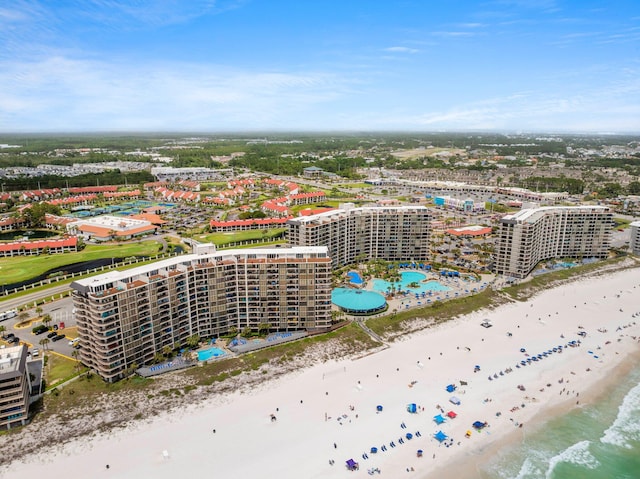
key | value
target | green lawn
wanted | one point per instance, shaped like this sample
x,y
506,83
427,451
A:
x,y
220,239
59,369
21,268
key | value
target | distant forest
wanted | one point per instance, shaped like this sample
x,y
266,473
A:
x,y
289,154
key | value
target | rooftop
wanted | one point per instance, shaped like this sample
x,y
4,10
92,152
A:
x,y
10,359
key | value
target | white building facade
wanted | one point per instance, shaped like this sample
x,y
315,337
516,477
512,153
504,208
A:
x,y
533,235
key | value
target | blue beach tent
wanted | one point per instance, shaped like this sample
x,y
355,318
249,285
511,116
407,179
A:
x,y
440,436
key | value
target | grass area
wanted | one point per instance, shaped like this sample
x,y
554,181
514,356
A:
x,y
220,239
87,389
621,222
398,323
21,268
324,204
59,369
524,291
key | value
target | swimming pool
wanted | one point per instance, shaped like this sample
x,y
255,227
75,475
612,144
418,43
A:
x,y
406,278
210,353
357,301
355,278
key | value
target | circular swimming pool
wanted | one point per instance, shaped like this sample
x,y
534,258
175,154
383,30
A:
x,y
357,301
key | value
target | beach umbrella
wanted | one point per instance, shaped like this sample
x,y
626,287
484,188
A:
x,y
378,408
438,419
451,414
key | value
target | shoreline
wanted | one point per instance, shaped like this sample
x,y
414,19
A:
x,y
595,392
334,402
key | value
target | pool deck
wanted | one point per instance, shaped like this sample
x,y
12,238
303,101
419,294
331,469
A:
x,y
459,287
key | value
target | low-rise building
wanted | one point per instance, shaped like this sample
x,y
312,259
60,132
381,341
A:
x,y
105,228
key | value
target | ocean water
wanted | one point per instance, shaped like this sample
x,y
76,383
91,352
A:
x,y
599,441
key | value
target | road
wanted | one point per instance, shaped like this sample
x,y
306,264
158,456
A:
x,y
14,303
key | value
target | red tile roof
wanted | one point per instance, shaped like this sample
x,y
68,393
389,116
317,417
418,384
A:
x,y
70,241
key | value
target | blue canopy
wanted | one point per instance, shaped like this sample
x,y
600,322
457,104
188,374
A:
x,y
440,436
451,388
479,424
412,407
438,419
378,408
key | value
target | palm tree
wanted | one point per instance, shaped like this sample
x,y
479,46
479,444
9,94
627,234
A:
x,y
74,354
167,350
193,341
39,310
44,342
46,319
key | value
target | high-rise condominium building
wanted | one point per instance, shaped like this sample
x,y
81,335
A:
x,y
533,235
360,234
126,318
634,240
15,387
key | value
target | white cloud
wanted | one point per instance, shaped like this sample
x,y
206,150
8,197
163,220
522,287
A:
x,y
60,93
401,50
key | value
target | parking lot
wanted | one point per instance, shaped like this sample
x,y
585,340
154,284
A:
x,y
62,326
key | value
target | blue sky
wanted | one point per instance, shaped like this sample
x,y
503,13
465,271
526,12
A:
x,y
355,65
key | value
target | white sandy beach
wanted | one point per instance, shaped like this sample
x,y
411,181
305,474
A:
x,y
335,402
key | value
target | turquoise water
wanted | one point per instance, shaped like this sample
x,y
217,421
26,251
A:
x,y
210,353
354,277
600,441
406,278
357,300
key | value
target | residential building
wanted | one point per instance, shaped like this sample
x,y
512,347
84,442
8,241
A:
x,y
355,234
125,318
48,246
15,387
634,241
533,235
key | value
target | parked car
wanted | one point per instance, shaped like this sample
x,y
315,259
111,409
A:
x,y
13,340
57,337
52,334
35,352
40,329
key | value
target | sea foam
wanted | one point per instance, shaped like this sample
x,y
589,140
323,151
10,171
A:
x,y
626,426
576,454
